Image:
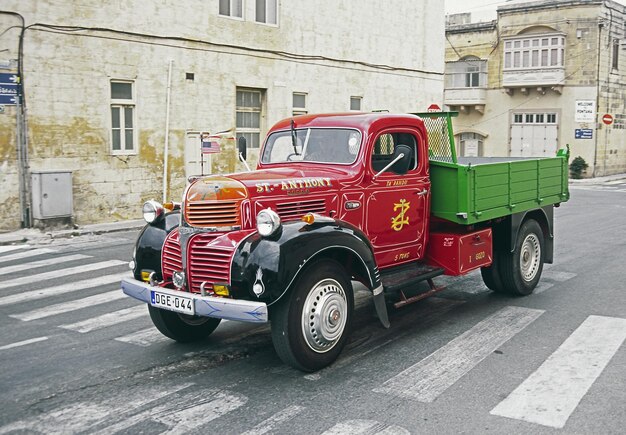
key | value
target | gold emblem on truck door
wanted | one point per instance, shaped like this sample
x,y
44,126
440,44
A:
x,y
400,220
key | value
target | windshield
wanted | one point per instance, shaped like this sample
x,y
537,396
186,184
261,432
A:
x,y
323,145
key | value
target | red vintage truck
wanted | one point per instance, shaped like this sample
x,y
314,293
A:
x,y
375,198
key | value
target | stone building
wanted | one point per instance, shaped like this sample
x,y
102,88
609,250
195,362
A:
x,y
543,75
119,93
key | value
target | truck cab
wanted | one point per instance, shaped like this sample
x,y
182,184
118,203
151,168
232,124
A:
x,y
334,199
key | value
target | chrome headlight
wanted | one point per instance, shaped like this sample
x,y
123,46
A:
x,y
152,210
267,222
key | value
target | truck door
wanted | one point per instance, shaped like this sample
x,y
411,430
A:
x,y
397,205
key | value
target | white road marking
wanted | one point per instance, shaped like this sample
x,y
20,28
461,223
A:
x,y
196,409
542,287
42,277
63,288
550,395
552,275
427,379
11,248
108,319
143,338
557,276
269,425
85,416
65,307
27,254
23,343
365,427
437,307
41,263
125,411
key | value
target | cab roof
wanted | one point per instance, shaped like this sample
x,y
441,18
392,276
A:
x,y
360,120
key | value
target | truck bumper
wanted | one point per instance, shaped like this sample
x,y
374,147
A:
x,y
205,306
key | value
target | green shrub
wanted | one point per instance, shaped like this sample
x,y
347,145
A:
x,y
577,167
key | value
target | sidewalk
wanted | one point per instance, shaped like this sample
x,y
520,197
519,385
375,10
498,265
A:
x,y
599,180
33,235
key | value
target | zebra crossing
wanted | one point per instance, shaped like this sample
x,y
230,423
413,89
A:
x,y
548,397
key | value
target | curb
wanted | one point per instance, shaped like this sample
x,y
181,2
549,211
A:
x,y
33,235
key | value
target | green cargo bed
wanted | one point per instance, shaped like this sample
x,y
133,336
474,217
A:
x,y
467,190
473,191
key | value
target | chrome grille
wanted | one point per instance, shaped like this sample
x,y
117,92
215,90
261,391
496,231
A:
x,y
171,259
297,209
212,213
208,263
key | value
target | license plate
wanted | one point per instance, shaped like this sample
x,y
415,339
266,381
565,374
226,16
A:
x,y
172,303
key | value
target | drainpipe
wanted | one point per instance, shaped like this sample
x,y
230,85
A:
x,y
167,129
595,153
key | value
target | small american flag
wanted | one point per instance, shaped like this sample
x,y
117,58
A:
x,y
210,144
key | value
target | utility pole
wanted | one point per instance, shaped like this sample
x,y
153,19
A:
x,y
22,158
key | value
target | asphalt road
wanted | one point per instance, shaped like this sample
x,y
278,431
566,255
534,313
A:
x,y
76,356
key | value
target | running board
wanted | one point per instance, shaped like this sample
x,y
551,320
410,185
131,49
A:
x,y
398,279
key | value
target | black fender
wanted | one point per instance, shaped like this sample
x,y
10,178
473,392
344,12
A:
x,y
150,241
273,263
505,233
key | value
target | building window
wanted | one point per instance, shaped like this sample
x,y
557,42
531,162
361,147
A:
x,y
299,103
472,77
471,144
355,103
534,118
615,58
469,72
533,53
249,111
267,11
122,118
231,8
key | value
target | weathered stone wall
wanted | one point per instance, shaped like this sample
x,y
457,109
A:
x,y
67,75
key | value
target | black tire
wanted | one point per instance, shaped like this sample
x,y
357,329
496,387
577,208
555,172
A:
x,y
491,275
182,327
310,327
521,270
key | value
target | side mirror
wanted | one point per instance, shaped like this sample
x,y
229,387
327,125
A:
x,y
403,164
242,147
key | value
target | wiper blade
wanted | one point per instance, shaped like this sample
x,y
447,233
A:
x,y
294,139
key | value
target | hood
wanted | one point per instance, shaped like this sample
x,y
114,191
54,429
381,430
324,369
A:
x,y
264,182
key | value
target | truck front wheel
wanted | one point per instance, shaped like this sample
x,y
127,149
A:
x,y
520,271
182,327
311,327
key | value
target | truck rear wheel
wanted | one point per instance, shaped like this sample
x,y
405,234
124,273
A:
x,y
520,271
491,275
182,327
311,327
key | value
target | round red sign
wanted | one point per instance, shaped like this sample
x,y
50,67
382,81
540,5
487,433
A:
x,y
434,108
607,119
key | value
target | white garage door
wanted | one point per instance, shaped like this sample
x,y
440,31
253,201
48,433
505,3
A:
x,y
534,134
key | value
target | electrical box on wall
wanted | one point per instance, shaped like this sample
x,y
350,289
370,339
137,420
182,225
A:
x,y
52,194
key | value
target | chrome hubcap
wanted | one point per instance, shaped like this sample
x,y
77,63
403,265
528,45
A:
x,y
324,315
530,256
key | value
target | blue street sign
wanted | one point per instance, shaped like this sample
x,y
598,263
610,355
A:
x,y
8,88
583,133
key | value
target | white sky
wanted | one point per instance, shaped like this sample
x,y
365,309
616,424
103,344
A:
x,y
483,10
